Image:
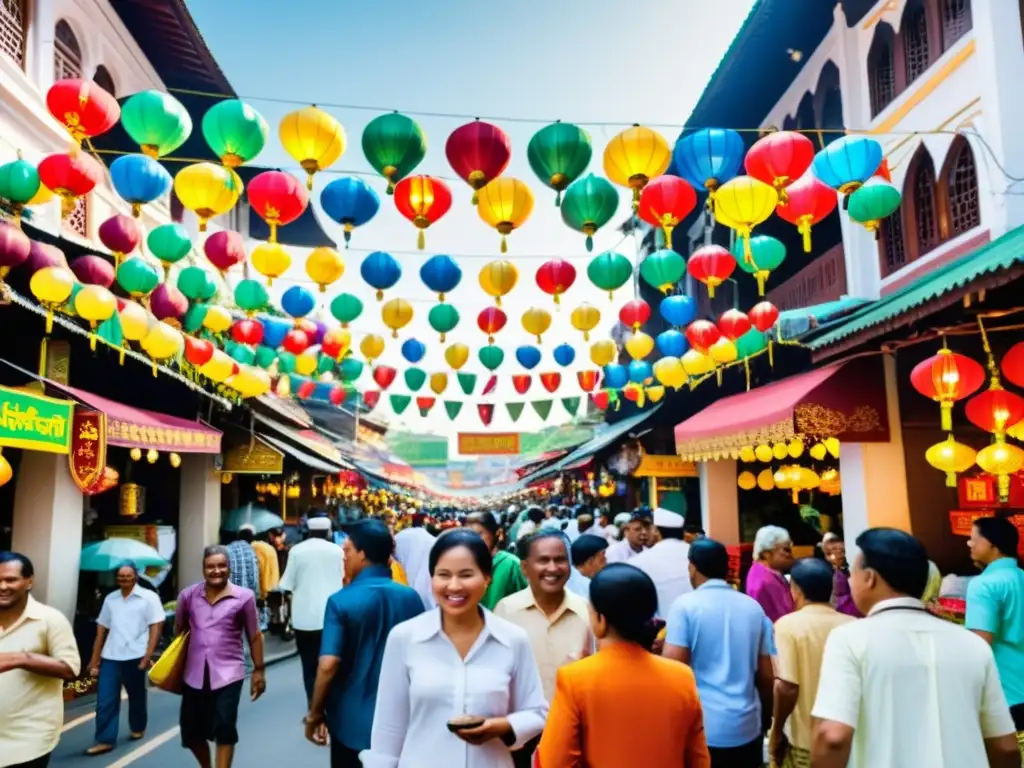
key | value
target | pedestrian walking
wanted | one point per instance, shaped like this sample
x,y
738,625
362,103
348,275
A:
x,y
624,690
634,537
269,573
244,565
506,576
458,685
902,687
589,554
766,580
534,517
556,620
38,654
412,551
667,561
357,623
834,549
220,617
127,633
726,639
314,573
800,643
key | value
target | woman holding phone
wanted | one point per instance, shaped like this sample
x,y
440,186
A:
x,y
458,685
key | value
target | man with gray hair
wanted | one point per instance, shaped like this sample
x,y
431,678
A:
x,y
766,582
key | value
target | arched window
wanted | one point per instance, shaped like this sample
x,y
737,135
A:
x,y
961,188
882,69
789,124
923,209
956,21
916,45
67,53
12,29
828,103
103,79
893,252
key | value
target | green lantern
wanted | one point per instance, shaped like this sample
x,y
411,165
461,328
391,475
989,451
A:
x,y
415,378
351,368
766,254
609,271
170,243
346,308
491,356
19,182
394,145
196,284
285,361
559,153
194,318
443,318
241,353
588,205
663,269
872,203
265,356
137,277
235,131
251,296
324,364
156,121
750,343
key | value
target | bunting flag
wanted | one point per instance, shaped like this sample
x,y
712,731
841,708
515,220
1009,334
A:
x,y
542,408
415,378
468,382
425,404
522,383
490,385
515,410
399,403
486,411
551,381
600,399
453,407
384,375
371,398
571,405
587,380
439,383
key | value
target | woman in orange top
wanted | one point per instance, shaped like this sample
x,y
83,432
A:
x,y
624,689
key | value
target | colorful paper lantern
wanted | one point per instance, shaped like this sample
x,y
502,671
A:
x,y
995,410
349,201
196,284
588,204
528,356
634,157
121,235
346,308
443,318
93,270
207,190
396,313
498,278
559,154
505,204
156,121
847,163
278,198
168,303
733,324
678,310
83,107
947,377
19,184
761,255
585,319
250,296
556,276
224,249
162,343
247,331
639,345
1012,364
702,334
697,363
779,159
169,243
536,322
478,152
271,260
610,271
709,158
1002,460
491,357
70,175
139,180
313,138
94,304
743,203
635,313
951,457
324,267
456,356
380,270
372,347
235,132
564,354
413,350
491,320
423,200
441,275
615,376
336,343
603,352
711,265
669,371
137,277
763,316
808,202
438,383
872,203
671,343
15,248
665,202
663,269
723,351
394,145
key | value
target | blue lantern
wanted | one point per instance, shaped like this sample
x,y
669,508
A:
x,y
297,302
351,202
351,368
615,376
847,163
709,157
380,271
640,371
672,343
528,357
139,180
413,350
440,274
274,330
678,310
564,355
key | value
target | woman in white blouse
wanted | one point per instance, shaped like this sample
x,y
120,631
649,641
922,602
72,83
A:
x,y
456,662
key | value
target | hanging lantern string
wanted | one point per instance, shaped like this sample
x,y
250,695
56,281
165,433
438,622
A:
x,y
964,329
990,360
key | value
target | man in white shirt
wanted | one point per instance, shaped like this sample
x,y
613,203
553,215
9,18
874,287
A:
x,y
314,573
902,687
668,561
634,537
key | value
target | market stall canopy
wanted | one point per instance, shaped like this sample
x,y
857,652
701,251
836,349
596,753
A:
x,y
302,457
111,553
259,518
816,404
307,440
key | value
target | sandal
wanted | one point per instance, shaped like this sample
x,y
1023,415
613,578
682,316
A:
x,y
137,736
99,749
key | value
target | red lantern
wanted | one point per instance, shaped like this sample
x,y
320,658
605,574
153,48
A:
x,y
601,399
809,202
1013,364
278,198
224,249
71,176
733,324
711,265
491,320
635,313
384,375
486,411
296,341
422,200
522,383
587,380
247,331
335,343
555,277
551,381
763,316
779,159
632,393
995,410
665,202
198,351
306,390
371,398
82,107
945,378
478,152
337,395
702,334
425,404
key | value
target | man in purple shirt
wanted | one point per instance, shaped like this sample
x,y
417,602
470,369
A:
x,y
773,557
216,613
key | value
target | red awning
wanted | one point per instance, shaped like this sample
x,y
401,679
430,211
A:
x,y
816,405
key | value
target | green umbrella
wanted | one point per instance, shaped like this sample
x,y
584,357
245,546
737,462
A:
x,y
109,554
259,518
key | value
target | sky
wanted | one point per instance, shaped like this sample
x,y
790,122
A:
x,y
604,64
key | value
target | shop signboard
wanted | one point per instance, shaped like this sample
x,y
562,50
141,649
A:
x,y
652,465
34,422
256,458
88,455
489,443
980,492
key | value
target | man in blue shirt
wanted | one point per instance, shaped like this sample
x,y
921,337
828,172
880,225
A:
x,y
356,625
726,639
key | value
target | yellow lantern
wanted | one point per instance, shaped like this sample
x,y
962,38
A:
x,y
951,457
95,304
162,343
832,446
746,481
505,204
1002,460
696,363
747,454
313,138
639,345
723,351
669,371
249,381
763,453
457,355
396,313
831,482
372,347
217,319
655,394
42,196
807,479
796,448
6,473
51,286
818,451
536,321
305,363
766,480
603,352
324,266
270,260
780,451
498,278
585,319
634,157
220,367
207,190
135,321
742,203
438,383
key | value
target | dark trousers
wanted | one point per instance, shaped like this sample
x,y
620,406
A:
x,y
343,757
523,758
39,762
308,645
747,756
115,675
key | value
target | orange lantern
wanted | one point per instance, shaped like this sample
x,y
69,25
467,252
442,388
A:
x,y
422,200
947,377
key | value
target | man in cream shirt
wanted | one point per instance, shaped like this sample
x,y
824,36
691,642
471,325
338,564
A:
x,y
901,687
668,561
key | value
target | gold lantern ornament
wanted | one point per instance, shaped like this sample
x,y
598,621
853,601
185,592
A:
x,y
951,457
585,319
763,453
634,157
505,204
152,455
1002,460
95,304
747,455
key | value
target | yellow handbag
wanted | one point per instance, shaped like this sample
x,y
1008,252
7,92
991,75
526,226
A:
x,y
169,670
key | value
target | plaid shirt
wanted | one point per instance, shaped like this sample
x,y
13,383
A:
x,y
245,568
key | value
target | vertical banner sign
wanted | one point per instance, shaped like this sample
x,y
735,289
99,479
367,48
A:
x,y
88,454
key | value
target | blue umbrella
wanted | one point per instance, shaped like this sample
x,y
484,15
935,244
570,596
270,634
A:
x,y
259,518
109,554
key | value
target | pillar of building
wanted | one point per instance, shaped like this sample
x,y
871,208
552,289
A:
x,y
47,528
41,45
719,501
199,516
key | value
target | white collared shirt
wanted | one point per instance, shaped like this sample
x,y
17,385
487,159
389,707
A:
x,y
668,565
917,690
621,552
314,573
424,683
127,621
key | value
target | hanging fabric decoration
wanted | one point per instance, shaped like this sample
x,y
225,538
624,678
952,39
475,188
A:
x,y
711,265
809,202
743,203
528,357
224,249
522,382
565,355
491,357
399,403
169,243
551,381
278,198
709,158
634,157
351,202
498,278
663,269
438,383
779,159
346,308
443,318
665,202
457,355
536,322
556,276
763,255
413,350
588,204
83,107
452,408
324,267
635,313
415,378
542,408
384,376
423,200
381,271
847,163
371,399
396,314
313,138
467,381
515,410
486,413
441,274
505,204
394,145
587,379
559,154
585,319
479,153
571,405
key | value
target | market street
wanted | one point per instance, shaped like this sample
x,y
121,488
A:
x,y
270,730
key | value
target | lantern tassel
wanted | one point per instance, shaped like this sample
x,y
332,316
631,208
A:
x,y
394,333
442,338
504,244
771,353
761,277
951,479
421,241
748,255
348,234
805,230
711,290
309,181
380,295
590,244
49,322
746,370
476,198
558,198
273,233
586,335
946,414
92,341
667,229
120,356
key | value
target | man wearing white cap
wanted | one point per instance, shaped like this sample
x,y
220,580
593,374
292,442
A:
x,y
668,561
634,536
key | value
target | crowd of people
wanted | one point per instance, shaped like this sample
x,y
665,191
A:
x,y
561,639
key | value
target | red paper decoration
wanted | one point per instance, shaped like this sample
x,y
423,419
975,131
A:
x,y
810,202
995,410
635,313
733,324
224,249
371,399
486,411
384,375
947,377
478,152
337,395
247,331
779,159
600,399
587,379
335,343
491,385
198,351
522,383
555,277
1013,364
665,202
702,334
70,175
278,198
711,265
425,404
763,316
422,200
551,381
296,341
491,320
306,390
82,107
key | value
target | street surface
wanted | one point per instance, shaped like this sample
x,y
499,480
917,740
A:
x,y
270,731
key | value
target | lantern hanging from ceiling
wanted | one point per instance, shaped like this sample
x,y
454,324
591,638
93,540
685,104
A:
x,y
995,410
162,343
169,243
665,202
559,153
224,249
235,132
441,274
610,271
156,121
711,265
491,357
413,350
19,184
761,255
556,276
443,318
83,107
139,180
324,267
809,202
697,363
52,286
498,278
422,200
70,175
603,352
743,203
372,347
137,277
702,335
394,145
247,331
396,313
779,159
94,304
522,383
672,343
663,269
528,356
634,157
278,198
491,320
250,296
207,190
733,324
297,302
585,319
763,316
947,377
847,163
505,204
588,204
536,322
196,284
313,138
639,345
951,457
349,201
380,270
270,260
136,321
615,376
709,158
479,153
723,351
1002,460
872,203
456,355
678,310
167,303
635,313
438,383
565,355
121,235
669,371
336,342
